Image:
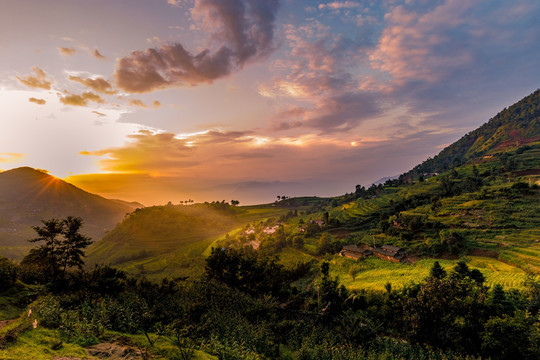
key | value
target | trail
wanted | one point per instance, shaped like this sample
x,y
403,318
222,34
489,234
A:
x,y
312,281
4,323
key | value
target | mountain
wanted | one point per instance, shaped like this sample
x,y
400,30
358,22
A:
x,y
511,128
28,196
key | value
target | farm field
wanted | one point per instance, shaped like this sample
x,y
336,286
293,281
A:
x,y
374,273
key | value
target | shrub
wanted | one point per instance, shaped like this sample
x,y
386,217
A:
x,y
8,274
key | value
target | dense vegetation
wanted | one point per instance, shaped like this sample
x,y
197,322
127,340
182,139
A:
x,y
246,308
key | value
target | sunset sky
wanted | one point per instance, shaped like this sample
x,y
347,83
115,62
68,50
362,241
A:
x,y
165,100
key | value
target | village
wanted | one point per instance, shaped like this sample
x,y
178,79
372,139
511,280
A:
x,y
385,252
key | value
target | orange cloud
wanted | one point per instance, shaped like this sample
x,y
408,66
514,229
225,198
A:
x,y
233,155
147,153
37,101
66,51
98,84
39,81
10,157
97,54
137,102
156,104
98,113
410,45
81,100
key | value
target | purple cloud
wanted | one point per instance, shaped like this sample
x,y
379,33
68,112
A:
x,y
244,30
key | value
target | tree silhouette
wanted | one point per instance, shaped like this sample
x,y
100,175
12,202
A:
x,y
64,245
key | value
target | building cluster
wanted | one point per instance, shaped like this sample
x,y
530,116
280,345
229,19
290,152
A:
x,y
385,252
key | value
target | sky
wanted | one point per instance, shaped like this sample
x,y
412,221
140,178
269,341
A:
x,y
170,100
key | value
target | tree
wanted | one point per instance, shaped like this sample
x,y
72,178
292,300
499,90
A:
x,y
437,271
453,240
235,202
64,245
509,337
324,245
435,204
461,270
8,274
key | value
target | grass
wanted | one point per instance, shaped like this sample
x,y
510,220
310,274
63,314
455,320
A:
x,y
37,344
14,300
373,273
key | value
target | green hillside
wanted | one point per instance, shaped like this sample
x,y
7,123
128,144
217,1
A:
x,y
510,129
169,240
477,200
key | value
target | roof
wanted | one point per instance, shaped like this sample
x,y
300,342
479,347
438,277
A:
x,y
391,248
393,254
351,248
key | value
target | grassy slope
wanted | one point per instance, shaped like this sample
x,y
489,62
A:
x,y
374,273
37,344
501,222
172,241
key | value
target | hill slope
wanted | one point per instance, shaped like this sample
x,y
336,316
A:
x,y
28,196
483,206
170,240
513,127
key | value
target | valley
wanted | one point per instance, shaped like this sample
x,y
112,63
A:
x,y
458,276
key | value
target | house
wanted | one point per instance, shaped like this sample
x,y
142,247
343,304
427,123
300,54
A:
x,y
270,230
390,253
354,252
318,222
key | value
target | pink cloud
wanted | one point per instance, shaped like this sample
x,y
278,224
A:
x,y
420,46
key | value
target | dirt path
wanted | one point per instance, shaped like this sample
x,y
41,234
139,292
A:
x,y
312,282
492,268
5,323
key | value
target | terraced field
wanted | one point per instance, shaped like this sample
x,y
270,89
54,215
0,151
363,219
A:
x,y
374,273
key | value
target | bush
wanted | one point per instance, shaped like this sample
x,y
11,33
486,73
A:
x,y
8,274
49,311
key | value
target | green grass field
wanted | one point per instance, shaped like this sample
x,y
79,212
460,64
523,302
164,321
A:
x,y
373,273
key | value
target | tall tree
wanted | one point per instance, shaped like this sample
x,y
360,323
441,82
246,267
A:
x,y
64,245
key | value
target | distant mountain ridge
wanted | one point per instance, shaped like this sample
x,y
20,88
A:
x,y
28,196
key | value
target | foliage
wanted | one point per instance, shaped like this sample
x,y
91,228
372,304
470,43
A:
x,y
64,246
246,273
8,274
